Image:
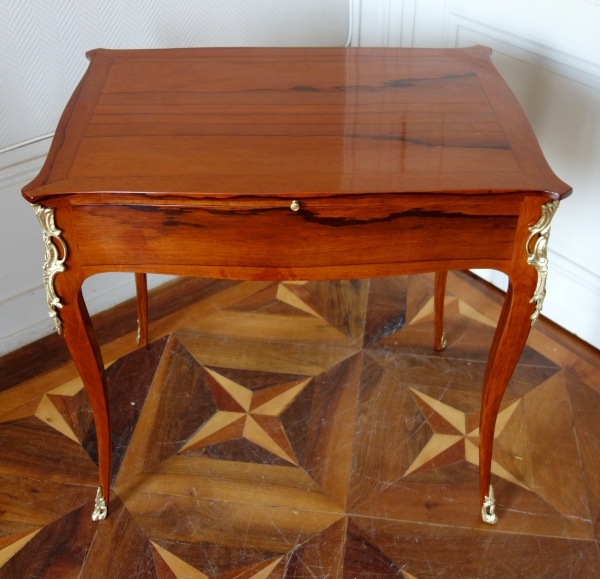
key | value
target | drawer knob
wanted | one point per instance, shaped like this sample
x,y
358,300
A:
x,y
295,205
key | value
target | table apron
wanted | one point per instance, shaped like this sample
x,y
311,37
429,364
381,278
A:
x,y
130,236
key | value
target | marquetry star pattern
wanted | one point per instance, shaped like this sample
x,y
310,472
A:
x,y
252,415
295,294
183,570
453,440
266,532
452,305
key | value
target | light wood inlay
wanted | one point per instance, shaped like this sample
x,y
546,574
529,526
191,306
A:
x,y
324,495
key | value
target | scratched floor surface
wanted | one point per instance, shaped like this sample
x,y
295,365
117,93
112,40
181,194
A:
x,y
307,430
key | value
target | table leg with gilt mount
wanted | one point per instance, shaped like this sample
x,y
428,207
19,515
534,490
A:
x,y
64,295
521,309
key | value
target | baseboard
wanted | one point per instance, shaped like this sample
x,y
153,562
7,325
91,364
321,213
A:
x,y
23,312
572,296
27,312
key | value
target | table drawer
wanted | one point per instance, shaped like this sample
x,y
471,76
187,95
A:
x,y
323,232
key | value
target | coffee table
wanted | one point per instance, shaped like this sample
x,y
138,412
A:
x,y
285,164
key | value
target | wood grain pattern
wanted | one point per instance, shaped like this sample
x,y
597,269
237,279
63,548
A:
x,y
440,293
141,288
245,237
387,546
361,423
58,550
328,128
23,453
297,121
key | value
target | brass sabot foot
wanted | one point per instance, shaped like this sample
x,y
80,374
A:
x,y
488,510
100,509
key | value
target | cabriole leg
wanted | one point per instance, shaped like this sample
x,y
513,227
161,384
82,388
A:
x,y
438,304
142,308
522,306
83,345
509,341
62,282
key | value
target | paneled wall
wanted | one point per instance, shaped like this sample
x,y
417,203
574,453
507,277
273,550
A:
x,y
42,57
549,53
547,50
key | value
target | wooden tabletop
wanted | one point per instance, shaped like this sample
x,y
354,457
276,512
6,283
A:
x,y
304,121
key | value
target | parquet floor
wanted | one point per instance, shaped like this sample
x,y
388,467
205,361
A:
x,y
307,430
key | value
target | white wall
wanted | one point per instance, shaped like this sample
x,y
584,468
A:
x,y
549,53
43,42
42,57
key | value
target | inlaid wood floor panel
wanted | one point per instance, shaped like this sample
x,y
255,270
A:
x,y
306,430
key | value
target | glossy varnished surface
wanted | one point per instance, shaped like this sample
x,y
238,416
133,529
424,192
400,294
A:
x,y
279,430
346,232
229,122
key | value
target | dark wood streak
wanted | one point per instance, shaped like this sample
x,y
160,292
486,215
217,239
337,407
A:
x,y
402,139
173,223
312,217
396,83
404,82
170,215
307,215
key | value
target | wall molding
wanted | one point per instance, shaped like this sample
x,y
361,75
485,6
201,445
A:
x,y
384,22
570,285
27,312
576,272
565,62
409,13
558,264
24,317
573,291
21,164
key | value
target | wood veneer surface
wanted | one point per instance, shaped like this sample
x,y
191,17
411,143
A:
x,y
278,430
234,122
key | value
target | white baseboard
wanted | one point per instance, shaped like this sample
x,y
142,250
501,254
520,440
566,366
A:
x,y
23,312
573,288
28,315
572,296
